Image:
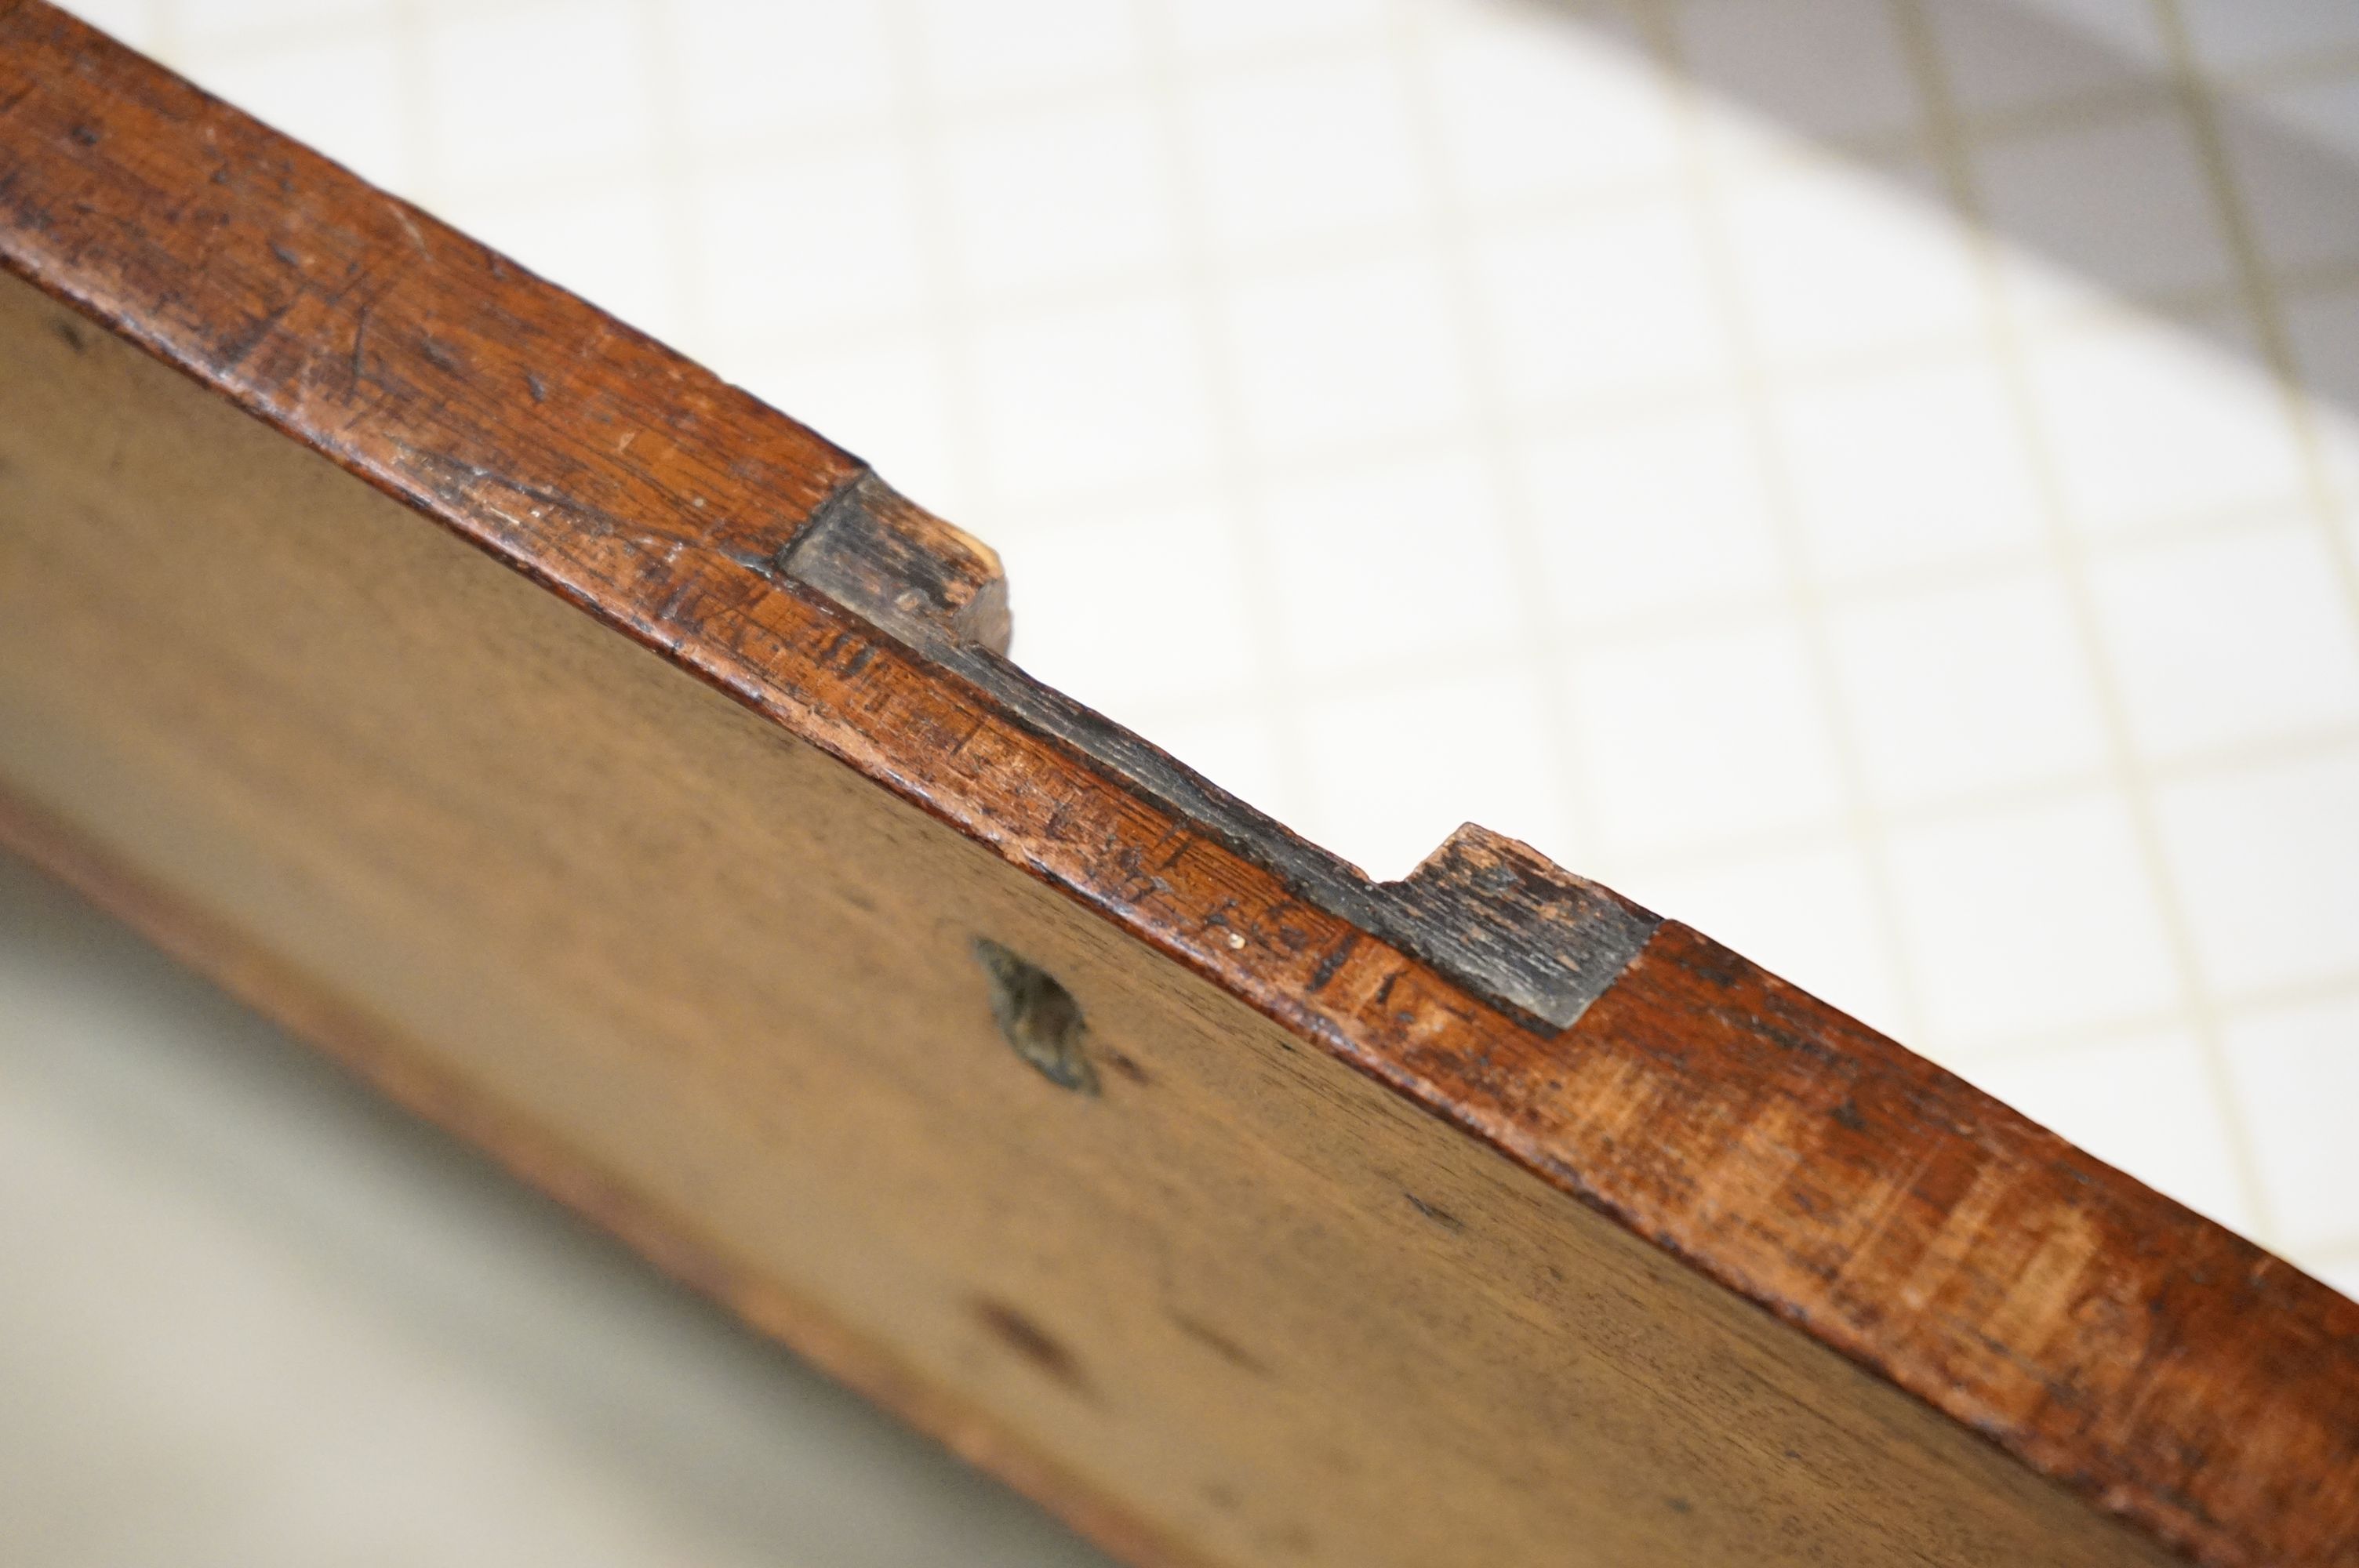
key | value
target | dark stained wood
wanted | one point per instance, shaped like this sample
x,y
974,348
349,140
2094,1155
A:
x,y
1981,1275
1496,917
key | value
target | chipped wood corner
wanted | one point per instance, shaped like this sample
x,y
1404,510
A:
x,y
623,776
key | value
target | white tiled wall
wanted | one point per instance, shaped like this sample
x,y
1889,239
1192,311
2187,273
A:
x,y
1878,480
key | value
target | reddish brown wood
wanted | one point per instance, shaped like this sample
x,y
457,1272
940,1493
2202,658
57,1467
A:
x,y
2173,1375
2094,1328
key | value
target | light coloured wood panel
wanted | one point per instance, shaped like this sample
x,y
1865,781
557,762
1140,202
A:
x,y
1280,1313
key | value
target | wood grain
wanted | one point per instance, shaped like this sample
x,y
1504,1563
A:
x,y
464,665
1244,1300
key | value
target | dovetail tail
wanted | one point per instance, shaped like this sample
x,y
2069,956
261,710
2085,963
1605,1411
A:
x,y
1497,916
901,567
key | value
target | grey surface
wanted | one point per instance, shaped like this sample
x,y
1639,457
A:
x,y
252,1317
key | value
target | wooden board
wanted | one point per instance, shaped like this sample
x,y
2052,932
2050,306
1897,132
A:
x,y
620,774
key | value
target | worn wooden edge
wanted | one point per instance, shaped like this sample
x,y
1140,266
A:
x,y
2173,1375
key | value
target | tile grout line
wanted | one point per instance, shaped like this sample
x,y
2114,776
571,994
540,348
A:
x,y
1934,811
2256,292
290,32
1233,470
675,171
168,40
1835,369
2018,1045
1955,164
1706,204
916,135
424,175
1551,659
1878,585
2083,110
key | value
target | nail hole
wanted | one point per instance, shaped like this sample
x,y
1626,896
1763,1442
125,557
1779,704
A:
x,y
1039,1017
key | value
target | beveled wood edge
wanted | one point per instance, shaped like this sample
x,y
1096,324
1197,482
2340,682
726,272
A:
x,y
2170,1373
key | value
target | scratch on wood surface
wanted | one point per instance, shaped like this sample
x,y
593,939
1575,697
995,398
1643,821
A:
x,y
233,352
360,344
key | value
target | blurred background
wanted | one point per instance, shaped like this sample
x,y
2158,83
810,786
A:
x,y
1877,480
